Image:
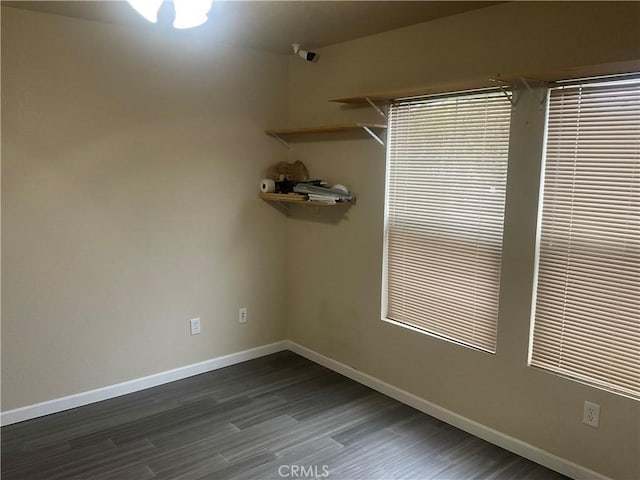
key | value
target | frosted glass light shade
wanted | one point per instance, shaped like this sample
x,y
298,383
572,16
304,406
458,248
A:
x,y
191,13
147,8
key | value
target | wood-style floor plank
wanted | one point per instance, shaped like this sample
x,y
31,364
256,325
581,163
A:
x,y
262,419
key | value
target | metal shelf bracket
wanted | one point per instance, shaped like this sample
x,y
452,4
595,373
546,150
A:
x,y
373,135
281,140
376,107
542,99
511,95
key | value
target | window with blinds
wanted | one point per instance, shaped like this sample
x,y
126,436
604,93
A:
x,y
446,179
587,305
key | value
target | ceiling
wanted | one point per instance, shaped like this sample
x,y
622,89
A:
x,y
272,25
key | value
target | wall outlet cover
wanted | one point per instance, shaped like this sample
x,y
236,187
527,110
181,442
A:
x,y
195,326
591,414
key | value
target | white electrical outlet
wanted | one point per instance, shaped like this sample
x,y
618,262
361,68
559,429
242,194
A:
x,y
591,414
242,315
195,326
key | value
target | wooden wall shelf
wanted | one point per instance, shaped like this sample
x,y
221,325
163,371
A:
x,y
369,128
344,127
297,199
362,100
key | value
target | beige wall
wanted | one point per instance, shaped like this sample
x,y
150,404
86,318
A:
x,y
128,206
341,318
130,165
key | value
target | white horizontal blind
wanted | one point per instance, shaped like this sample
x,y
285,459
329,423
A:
x,y
446,179
587,313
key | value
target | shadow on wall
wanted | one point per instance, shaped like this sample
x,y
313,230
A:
x,y
329,214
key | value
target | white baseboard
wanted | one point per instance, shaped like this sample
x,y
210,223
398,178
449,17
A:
x,y
99,394
512,444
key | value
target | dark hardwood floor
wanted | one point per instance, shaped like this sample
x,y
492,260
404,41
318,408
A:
x,y
279,416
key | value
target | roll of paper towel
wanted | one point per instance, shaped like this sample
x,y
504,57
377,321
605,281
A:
x,y
267,186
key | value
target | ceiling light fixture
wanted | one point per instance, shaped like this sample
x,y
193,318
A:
x,y
189,13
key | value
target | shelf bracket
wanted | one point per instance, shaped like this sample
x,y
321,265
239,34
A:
x,y
512,96
373,135
281,140
542,99
376,107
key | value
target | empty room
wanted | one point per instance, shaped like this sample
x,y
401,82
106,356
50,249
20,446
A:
x,y
359,240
